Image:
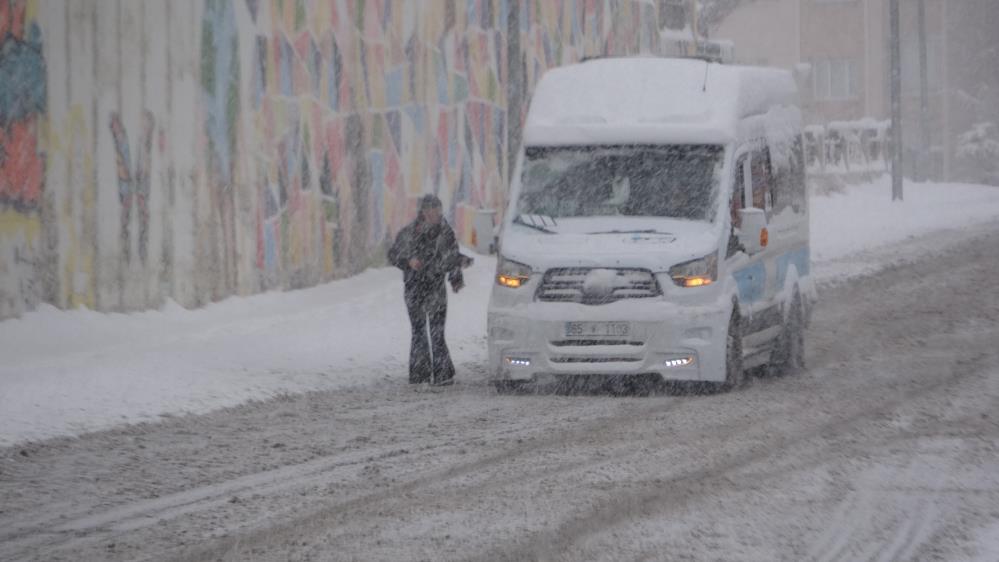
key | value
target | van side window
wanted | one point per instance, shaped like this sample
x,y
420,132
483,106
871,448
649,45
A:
x,y
799,198
738,190
762,180
789,182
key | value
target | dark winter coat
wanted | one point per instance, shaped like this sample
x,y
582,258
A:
x,y
436,247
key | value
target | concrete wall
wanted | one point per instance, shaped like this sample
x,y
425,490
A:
x,y
196,149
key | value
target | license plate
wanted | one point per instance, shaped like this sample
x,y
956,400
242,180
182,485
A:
x,y
597,329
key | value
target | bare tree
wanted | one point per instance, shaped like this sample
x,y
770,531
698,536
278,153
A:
x,y
710,13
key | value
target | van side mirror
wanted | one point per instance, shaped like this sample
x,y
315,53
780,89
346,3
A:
x,y
753,234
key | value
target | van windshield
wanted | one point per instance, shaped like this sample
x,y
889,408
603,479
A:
x,y
676,181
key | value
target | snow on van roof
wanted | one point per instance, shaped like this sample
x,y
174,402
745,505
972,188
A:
x,y
651,99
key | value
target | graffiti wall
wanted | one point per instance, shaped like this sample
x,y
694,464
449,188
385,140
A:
x,y
354,110
196,149
22,173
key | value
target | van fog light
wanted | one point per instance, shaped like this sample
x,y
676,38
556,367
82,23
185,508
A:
x,y
518,361
679,361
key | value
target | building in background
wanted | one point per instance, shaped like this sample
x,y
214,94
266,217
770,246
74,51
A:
x,y
839,49
779,45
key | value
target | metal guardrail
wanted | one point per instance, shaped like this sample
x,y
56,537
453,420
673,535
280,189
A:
x,y
845,147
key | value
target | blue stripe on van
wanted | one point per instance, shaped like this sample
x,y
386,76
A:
x,y
751,281
798,258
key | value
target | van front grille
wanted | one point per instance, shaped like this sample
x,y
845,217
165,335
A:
x,y
595,359
597,285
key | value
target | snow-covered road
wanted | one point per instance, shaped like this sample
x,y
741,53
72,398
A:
x,y
886,448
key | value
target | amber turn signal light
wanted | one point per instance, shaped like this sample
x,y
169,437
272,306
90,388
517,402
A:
x,y
696,281
510,281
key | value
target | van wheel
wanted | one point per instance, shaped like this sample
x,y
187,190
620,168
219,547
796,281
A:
x,y
788,355
735,372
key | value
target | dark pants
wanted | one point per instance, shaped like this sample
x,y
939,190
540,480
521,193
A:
x,y
429,359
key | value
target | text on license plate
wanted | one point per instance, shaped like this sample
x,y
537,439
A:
x,y
586,329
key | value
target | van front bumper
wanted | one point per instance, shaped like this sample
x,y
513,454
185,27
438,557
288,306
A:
x,y
540,340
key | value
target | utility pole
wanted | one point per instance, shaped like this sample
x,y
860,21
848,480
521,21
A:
x,y
896,104
692,7
947,140
924,89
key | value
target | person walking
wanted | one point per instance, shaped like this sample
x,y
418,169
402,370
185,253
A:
x,y
426,251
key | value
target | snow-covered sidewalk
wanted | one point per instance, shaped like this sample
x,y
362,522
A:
x,y
69,372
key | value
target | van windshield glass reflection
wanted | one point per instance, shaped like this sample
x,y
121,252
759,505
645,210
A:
x,y
678,181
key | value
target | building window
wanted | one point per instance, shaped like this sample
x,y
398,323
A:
x,y
835,79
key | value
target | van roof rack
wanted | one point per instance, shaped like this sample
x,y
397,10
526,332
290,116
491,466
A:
x,y
704,57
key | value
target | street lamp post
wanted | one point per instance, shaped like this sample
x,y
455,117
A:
x,y
896,104
924,87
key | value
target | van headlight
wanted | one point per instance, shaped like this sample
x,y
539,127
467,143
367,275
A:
x,y
511,274
696,273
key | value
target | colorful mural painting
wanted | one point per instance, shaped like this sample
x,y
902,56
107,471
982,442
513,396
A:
x,y
342,100
312,128
220,84
22,108
133,183
389,100
67,144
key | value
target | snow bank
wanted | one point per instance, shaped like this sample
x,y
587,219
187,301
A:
x,y
864,216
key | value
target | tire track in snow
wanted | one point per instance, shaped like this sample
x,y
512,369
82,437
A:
x,y
911,533
852,514
444,486
62,532
135,515
548,545
918,512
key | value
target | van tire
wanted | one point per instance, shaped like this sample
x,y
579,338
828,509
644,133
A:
x,y
735,372
788,355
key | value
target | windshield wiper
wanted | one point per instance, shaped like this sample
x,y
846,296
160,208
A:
x,y
646,231
534,222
